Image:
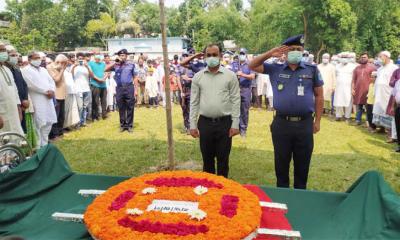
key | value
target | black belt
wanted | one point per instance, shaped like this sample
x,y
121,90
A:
x,y
292,118
124,85
218,119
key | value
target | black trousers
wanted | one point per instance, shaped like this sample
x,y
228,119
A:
x,y
185,104
126,105
292,139
57,128
397,121
99,98
370,115
215,143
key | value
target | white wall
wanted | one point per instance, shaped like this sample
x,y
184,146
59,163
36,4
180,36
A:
x,y
150,46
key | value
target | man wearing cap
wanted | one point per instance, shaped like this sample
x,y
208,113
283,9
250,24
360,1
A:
x,y
195,62
328,73
125,90
245,76
186,76
298,94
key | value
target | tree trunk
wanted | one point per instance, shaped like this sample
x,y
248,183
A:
x,y
305,28
171,147
319,52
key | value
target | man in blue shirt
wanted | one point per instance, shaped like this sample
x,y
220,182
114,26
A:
x,y
186,76
246,77
126,92
98,87
195,62
298,94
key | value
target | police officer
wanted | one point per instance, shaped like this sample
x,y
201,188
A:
x,y
245,76
194,62
126,92
186,76
298,94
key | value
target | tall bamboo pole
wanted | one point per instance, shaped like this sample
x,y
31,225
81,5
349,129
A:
x,y
171,147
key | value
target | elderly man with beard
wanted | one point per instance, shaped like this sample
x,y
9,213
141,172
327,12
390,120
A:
x,y
382,95
12,64
360,84
42,89
9,100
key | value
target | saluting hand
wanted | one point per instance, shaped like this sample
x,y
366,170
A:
x,y
278,51
233,132
195,133
198,55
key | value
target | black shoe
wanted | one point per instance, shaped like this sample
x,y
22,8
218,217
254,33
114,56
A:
x,y
121,129
130,130
397,149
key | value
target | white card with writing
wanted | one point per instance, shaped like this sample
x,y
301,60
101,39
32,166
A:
x,y
167,206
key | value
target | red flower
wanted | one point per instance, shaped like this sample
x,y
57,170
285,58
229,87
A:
x,y
180,229
121,200
184,182
229,205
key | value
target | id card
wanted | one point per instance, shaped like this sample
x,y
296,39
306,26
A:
x,y
300,90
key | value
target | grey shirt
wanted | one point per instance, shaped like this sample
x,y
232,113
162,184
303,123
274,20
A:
x,y
215,95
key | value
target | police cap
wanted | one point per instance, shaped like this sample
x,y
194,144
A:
x,y
295,40
122,51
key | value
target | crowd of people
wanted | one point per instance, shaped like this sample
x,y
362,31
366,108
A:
x,y
55,93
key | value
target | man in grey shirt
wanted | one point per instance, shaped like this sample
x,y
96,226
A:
x,y
215,111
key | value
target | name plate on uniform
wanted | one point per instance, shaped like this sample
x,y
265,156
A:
x,y
284,76
167,206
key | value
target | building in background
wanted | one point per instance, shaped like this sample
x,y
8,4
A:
x,y
150,46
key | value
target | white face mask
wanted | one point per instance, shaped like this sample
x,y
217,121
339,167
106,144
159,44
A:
x,y
13,60
242,58
36,63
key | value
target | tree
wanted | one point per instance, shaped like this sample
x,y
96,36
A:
x,y
102,28
147,15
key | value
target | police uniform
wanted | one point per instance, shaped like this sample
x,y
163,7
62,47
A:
x,y
292,127
185,103
245,92
125,92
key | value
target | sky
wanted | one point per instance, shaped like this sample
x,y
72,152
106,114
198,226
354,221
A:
x,y
169,3
2,5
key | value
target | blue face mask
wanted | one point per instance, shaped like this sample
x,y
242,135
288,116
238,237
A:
x,y
3,56
294,57
212,61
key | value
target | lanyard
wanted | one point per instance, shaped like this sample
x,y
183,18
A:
x,y
5,75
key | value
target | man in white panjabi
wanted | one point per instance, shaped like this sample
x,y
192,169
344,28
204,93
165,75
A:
x,y
383,92
328,73
152,87
160,75
9,99
264,89
343,97
71,117
41,89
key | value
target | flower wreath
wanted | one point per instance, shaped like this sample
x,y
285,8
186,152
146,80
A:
x,y
226,210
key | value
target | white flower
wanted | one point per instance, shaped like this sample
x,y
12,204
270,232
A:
x,y
197,214
200,190
149,190
134,211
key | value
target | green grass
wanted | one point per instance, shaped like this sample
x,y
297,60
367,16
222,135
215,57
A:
x,y
342,153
